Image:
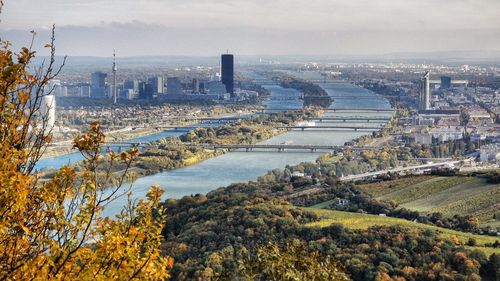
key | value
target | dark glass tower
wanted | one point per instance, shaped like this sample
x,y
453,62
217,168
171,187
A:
x,y
227,72
445,82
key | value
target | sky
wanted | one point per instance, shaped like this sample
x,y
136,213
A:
x,y
254,27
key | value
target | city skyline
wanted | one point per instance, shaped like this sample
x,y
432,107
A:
x,y
255,27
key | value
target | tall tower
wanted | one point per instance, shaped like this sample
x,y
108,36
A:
x,y
425,95
114,77
48,113
227,72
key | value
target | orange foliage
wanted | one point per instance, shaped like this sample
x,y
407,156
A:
x,y
53,230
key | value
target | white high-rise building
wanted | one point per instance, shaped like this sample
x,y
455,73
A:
x,y
48,112
425,95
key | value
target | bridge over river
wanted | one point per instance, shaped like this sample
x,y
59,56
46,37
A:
x,y
320,119
350,119
348,110
355,128
247,147
285,147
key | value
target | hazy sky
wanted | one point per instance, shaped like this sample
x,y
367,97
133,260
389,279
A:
x,y
208,27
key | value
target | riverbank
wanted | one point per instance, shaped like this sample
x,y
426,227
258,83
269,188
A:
x,y
133,132
176,152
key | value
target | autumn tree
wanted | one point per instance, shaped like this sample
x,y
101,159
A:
x,y
290,263
55,230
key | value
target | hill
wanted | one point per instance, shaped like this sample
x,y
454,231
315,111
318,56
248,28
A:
x,y
463,195
364,221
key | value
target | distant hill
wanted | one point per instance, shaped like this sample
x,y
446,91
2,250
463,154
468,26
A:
x,y
450,57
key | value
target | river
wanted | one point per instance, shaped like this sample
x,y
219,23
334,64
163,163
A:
x,y
243,166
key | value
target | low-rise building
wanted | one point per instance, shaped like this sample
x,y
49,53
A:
x,y
422,138
448,133
490,153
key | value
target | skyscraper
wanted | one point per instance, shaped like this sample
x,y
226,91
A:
x,y
143,93
130,89
156,85
98,85
115,69
131,84
196,85
227,72
445,82
425,96
48,112
174,86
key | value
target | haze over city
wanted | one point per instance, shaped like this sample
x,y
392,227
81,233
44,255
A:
x,y
208,27
329,140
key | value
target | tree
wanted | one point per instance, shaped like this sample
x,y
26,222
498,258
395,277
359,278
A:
x,y
293,262
53,230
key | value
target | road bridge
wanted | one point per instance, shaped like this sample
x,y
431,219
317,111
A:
x,y
346,119
355,128
105,145
246,147
338,109
191,118
179,128
354,97
285,98
284,147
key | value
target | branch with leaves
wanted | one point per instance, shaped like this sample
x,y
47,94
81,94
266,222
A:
x,y
54,230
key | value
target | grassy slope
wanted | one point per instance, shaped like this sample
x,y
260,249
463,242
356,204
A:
x,y
423,189
450,196
451,201
364,221
381,188
324,204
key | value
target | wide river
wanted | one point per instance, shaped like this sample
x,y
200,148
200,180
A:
x,y
241,166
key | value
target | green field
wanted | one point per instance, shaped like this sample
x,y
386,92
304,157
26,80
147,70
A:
x,y
325,204
381,188
475,197
447,195
423,189
364,221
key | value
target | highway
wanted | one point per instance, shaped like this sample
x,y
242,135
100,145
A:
x,y
398,170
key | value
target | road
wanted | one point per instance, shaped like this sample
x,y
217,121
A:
x,y
398,170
